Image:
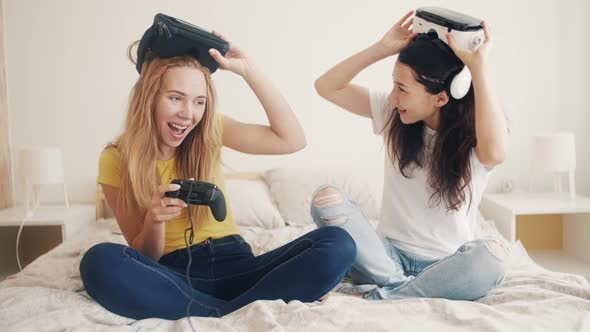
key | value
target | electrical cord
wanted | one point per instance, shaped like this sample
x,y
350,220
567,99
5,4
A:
x,y
188,266
20,229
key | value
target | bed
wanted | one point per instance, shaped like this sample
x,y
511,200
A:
x,y
271,208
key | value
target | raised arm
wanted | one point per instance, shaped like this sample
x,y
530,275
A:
x,y
283,135
335,85
490,122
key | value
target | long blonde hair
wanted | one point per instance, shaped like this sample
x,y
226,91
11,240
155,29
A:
x,y
197,156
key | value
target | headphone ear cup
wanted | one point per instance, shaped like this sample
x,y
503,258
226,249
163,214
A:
x,y
461,83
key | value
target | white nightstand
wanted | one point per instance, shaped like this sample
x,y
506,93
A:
x,y
569,221
48,227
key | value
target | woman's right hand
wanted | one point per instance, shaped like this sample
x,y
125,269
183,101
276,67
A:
x,y
399,36
164,208
234,60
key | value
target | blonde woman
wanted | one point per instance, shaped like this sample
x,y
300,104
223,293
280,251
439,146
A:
x,y
173,131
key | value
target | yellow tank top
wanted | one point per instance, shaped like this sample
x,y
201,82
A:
x,y
109,173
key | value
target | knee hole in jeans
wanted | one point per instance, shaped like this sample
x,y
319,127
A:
x,y
327,197
497,249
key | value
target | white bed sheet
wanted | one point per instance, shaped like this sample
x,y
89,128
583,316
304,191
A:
x,y
48,296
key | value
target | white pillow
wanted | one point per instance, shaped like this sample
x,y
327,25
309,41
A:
x,y
251,204
292,190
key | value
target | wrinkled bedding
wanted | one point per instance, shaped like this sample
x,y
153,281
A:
x,y
48,296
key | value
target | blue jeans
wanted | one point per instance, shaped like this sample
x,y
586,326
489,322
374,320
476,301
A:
x,y
468,274
225,275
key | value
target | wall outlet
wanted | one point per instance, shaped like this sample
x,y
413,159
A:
x,y
506,186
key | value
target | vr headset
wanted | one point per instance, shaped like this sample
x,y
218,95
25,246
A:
x,y
468,33
169,37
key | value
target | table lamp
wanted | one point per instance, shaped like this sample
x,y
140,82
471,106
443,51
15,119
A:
x,y
554,153
41,166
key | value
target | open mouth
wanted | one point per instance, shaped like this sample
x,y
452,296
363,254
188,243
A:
x,y
177,130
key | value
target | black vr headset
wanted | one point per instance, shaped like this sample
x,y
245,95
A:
x,y
169,37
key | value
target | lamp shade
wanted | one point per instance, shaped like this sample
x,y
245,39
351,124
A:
x,y
554,153
42,165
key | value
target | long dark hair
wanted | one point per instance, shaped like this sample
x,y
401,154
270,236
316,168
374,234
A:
x,y
449,172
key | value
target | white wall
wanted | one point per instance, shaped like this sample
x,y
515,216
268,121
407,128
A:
x,y
69,79
578,75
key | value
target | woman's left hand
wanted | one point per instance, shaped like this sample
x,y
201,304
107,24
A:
x,y
235,60
473,59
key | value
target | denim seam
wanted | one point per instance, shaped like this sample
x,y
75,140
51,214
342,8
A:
x,y
183,275
340,277
400,287
203,245
266,276
239,274
189,297
269,263
222,244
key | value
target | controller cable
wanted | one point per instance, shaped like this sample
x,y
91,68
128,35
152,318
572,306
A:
x,y
190,259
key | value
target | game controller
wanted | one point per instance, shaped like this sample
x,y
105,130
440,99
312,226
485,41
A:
x,y
169,37
201,193
466,30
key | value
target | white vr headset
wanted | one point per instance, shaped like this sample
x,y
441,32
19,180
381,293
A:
x,y
468,33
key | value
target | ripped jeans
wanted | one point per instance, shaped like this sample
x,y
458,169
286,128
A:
x,y
475,269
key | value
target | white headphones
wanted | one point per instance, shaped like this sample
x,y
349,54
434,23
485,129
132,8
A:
x,y
461,83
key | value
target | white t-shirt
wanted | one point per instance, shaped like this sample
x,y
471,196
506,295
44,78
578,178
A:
x,y
408,218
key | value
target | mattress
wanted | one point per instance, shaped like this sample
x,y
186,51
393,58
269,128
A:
x,y
48,296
